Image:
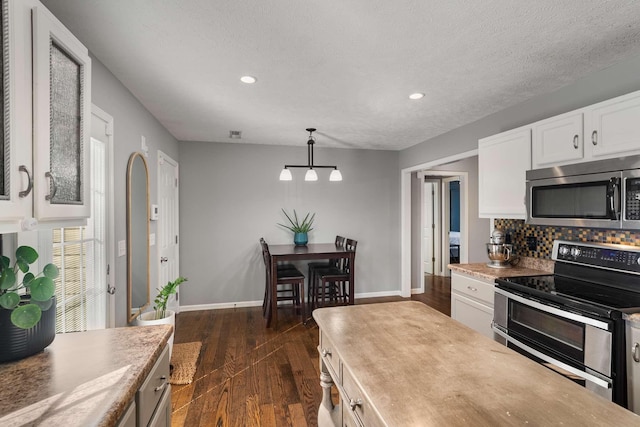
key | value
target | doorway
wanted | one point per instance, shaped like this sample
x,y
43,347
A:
x,y
411,267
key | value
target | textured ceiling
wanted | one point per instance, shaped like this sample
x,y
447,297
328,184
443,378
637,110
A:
x,y
345,67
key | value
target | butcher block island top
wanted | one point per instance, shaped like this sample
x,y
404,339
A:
x,y
81,379
415,366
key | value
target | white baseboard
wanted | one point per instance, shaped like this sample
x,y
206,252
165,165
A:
x,y
241,304
220,305
379,294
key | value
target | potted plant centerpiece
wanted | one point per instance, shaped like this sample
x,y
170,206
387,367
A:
x,y
299,228
160,315
27,306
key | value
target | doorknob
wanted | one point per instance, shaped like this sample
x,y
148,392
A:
x,y
164,259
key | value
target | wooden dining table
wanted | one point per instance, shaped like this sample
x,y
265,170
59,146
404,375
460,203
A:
x,y
307,252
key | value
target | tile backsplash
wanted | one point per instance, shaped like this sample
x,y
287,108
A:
x,y
545,235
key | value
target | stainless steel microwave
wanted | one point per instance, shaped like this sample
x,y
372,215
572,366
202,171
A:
x,y
599,194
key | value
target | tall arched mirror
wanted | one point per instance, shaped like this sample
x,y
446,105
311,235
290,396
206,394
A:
x,y
137,235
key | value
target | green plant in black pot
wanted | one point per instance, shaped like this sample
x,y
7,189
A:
x,y
28,297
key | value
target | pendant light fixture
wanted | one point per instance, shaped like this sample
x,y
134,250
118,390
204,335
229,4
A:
x,y
311,174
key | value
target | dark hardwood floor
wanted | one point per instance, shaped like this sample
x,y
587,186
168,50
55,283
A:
x,y
249,375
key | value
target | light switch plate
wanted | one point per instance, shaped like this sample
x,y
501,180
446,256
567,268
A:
x,y
122,247
152,239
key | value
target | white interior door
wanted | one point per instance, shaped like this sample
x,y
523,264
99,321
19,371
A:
x,y
168,241
431,227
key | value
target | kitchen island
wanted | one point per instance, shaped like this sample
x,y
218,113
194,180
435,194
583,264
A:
x,y
405,364
82,378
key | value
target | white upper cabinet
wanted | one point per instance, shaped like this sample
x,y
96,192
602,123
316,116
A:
x,y
16,169
45,159
612,127
558,140
62,110
605,130
503,160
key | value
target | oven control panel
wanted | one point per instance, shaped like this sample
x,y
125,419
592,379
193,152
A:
x,y
617,257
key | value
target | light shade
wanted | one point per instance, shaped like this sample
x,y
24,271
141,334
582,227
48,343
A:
x,y
248,79
285,175
311,175
335,175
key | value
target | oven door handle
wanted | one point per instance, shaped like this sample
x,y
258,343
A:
x,y
584,375
553,310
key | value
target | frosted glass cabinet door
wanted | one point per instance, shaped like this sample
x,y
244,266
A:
x,y
62,110
16,169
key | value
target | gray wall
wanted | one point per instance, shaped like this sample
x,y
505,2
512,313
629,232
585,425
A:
x,y
617,80
230,196
478,229
131,121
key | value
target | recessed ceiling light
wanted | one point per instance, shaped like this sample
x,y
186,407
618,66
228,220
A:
x,y
248,79
416,95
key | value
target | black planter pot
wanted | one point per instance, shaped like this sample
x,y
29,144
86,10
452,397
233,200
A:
x,y
17,343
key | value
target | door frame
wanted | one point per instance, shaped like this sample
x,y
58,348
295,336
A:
x,y
111,229
405,216
443,256
462,178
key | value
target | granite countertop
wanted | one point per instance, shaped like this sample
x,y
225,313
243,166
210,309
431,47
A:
x,y
81,379
526,267
632,318
417,366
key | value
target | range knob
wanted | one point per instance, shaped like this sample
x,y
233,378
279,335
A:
x,y
564,250
575,252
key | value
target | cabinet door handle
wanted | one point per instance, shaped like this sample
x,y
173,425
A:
x,y
164,259
326,352
54,187
472,289
354,403
26,192
594,137
575,141
161,386
635,352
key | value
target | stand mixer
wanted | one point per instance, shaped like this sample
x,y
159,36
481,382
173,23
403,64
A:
x,y
500,253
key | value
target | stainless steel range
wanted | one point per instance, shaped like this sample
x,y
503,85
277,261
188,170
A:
x,y
571,321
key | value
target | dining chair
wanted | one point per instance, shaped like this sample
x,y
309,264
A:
x,y
281,268
333,282
316,266
288,286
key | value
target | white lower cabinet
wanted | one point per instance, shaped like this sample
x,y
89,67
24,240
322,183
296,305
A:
x,y
129,417
152,404
472,302
153,398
